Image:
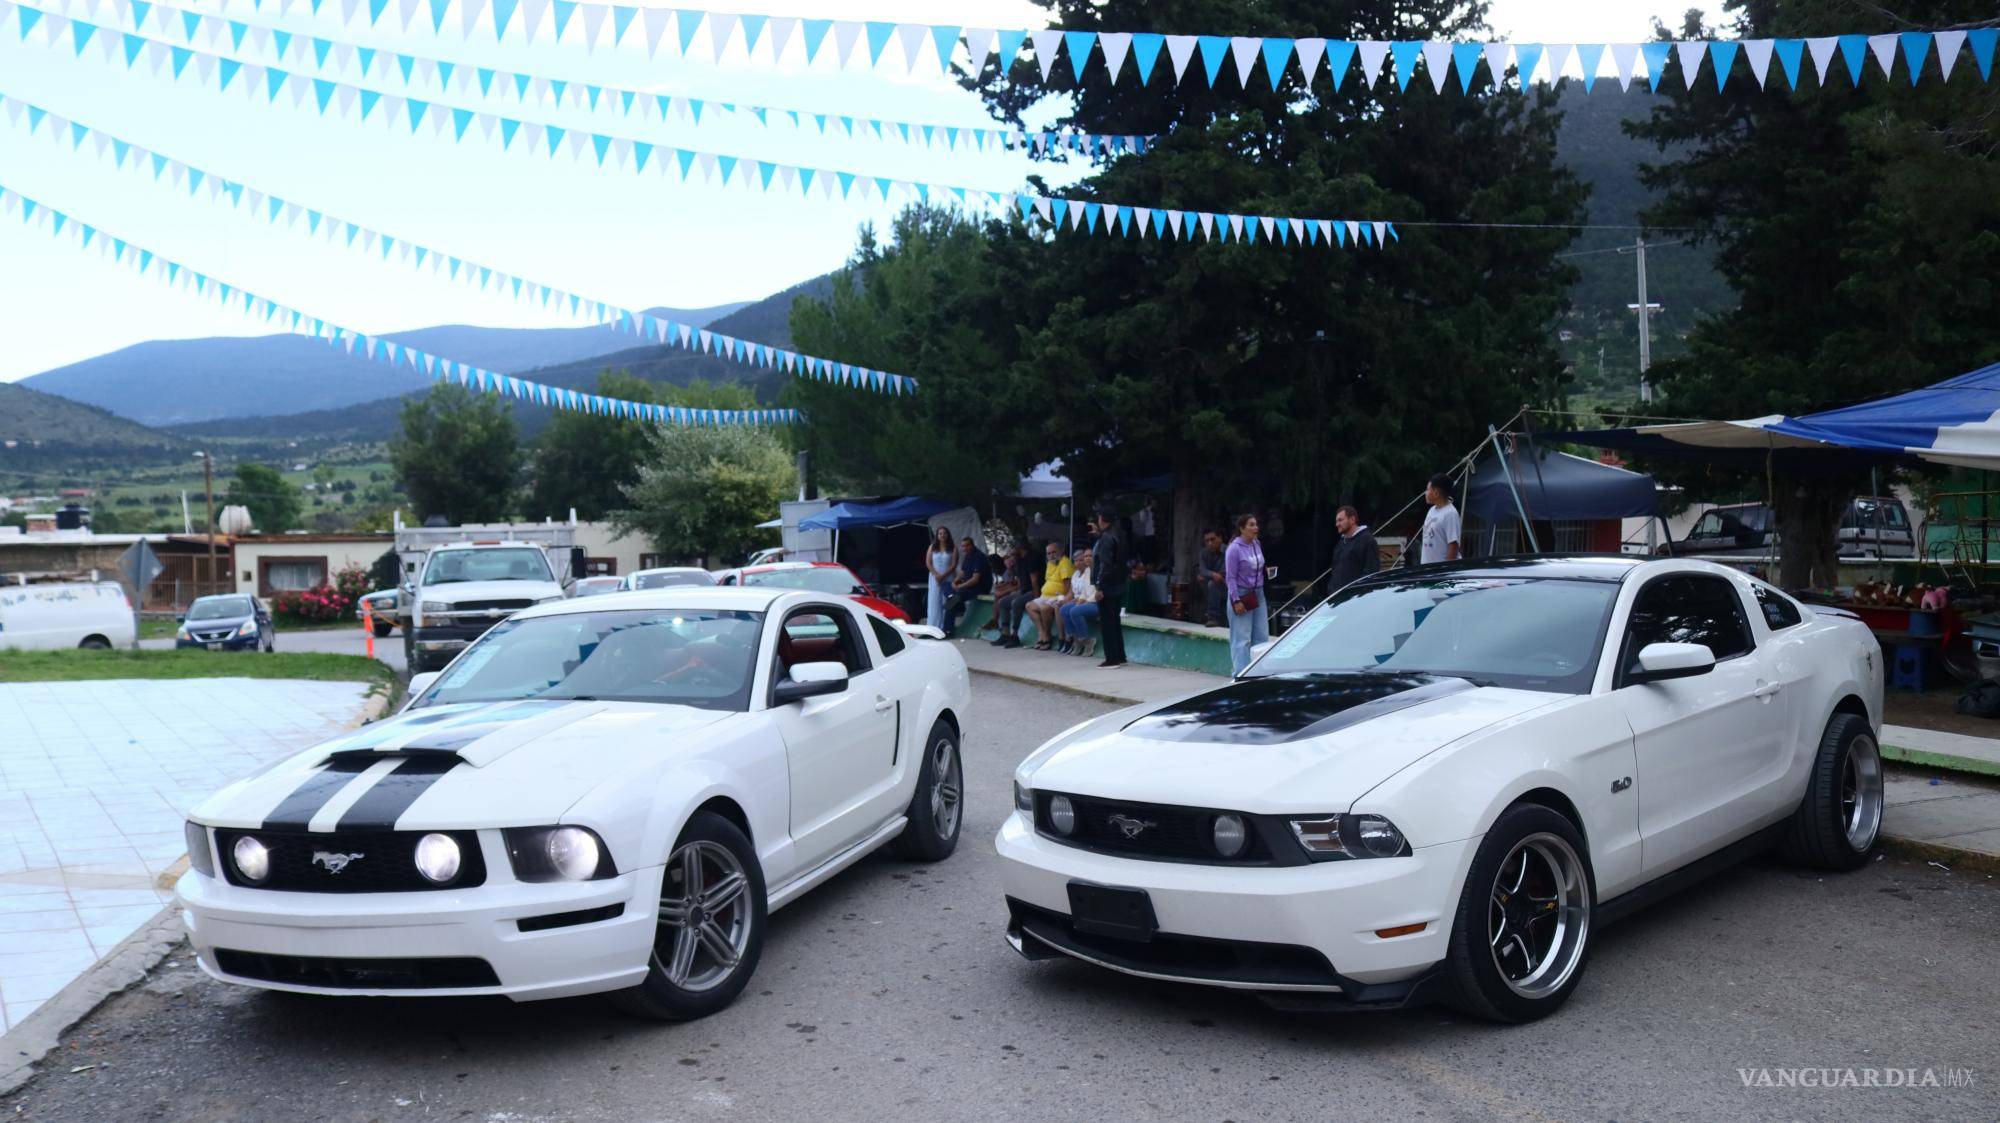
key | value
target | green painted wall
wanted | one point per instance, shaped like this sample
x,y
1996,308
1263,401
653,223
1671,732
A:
x,y
1144,642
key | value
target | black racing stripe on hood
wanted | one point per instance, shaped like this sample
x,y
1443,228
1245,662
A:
x,y
459,734
1278,709
384,803
297,809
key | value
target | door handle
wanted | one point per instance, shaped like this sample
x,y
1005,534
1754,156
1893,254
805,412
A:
x,y
1767,690
882,705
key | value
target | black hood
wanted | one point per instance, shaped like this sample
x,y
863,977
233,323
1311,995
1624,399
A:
x,y
1277,709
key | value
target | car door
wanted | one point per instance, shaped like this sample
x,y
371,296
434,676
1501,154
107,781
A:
x,y
1707,746
840,748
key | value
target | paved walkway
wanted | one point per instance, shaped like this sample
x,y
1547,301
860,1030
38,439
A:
x,y
95,781
1943,803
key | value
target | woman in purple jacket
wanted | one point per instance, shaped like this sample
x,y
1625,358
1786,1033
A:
x,y
1243,571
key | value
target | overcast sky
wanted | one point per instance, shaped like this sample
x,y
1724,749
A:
x,y
635,241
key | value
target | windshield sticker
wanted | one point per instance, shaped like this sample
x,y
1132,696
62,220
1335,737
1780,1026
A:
x,y
467,667
1303,633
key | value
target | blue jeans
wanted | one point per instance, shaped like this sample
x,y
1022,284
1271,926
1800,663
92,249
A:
x,y
1076,619
1245,630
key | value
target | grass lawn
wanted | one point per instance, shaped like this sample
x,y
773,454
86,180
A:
x,y
164,627
73,665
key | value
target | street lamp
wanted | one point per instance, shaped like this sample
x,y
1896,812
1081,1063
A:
x,y
208,489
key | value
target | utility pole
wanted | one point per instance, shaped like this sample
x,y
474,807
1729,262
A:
x,y
208,487
1645,310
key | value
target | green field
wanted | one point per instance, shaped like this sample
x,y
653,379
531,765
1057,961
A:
x,y
148,499
75,666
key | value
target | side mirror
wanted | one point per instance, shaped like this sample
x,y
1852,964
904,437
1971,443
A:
x,y
810,680
1659,662
422,682
181,619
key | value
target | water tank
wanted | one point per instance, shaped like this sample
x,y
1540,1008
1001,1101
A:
x,y
72,516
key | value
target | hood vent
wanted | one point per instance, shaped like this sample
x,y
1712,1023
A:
x,y
1280,709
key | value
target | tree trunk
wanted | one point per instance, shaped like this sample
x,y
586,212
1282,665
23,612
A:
x,y
1808,510
1187,525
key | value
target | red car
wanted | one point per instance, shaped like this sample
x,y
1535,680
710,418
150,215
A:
x,y
818,577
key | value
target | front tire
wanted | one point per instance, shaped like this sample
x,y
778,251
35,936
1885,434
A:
x,y
711,925
382,630
1840,819
937,809
1521,935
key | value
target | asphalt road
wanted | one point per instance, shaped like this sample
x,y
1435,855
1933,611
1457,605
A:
x,y
338,641
888,994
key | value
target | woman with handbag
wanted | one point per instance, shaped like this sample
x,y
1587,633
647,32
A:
x,y
1249,616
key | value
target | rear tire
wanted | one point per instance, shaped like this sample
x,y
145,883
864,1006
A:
x,y
1521,936
95,643
1840,819
937,808
708,941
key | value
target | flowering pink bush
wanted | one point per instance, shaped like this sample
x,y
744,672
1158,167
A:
x,y
328,602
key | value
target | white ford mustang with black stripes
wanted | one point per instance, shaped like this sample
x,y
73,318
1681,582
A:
x,y
597,795
1443,780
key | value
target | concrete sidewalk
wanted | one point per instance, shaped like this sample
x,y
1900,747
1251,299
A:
x,y
1942,803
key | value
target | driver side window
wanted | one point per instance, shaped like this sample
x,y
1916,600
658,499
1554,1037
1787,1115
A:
x,y
812,635
1687,608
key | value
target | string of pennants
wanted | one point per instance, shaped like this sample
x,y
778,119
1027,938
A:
x,y
147,263
276,211
360,104
939,46
425,74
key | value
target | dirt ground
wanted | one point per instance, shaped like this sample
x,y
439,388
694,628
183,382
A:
x,y
1933,709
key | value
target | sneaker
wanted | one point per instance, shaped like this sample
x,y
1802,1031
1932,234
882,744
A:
x,y
1111,663
1012,641
999,640
1062,648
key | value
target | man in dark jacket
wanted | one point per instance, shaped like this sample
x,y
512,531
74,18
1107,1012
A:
x,y
1214,585
1110,570
1356,554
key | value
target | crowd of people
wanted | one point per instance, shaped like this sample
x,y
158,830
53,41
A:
x,y
1065,597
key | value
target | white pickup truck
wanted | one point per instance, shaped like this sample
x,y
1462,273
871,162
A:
x,y
464,588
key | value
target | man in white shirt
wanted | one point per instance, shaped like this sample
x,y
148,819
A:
x,y
1439,537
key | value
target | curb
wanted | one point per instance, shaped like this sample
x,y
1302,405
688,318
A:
x,y
1063,687
1950,762
22,1047
128,964
1953,858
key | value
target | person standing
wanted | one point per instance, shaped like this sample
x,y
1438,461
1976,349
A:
x,y
938,564
1214,585
1249,616
1356,554
1439,538
1110,570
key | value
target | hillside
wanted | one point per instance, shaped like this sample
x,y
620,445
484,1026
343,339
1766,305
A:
x,y
38,430
170,382
765,321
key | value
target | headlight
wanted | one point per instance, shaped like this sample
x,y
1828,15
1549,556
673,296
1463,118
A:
x,y
1062,816
558,854
199,855
182,633
1378,836
1024,798
253,859
550,600
1330,837
431,607
249,628
1230,835
438,857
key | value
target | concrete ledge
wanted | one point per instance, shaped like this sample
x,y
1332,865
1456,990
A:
x,y
1936,749
1955,858
1152,640
24,1046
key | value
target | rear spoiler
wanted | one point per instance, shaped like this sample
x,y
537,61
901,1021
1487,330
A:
x,y
917,631
1829,610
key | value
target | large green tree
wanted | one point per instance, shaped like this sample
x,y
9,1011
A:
x,y
458,455
584,461
1255,374
1860,228
702,490
272,500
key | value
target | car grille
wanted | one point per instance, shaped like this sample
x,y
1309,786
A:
x,y
1170,833
357,974
386,864
483,605
212,637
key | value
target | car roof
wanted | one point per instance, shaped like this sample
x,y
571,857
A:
x,y
217,596
1611,568
667,569
773,567
692,597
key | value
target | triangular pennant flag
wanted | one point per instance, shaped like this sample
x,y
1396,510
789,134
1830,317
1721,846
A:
x,y
1690,54
1311,52
1007,47
1948,43
1883,47
944,40
1465,59
1370,53
1278,55
1758,53
1047,43
1214,48
1590,56
1558,61
1916,45
1243,50
1180,48
1981,42
1079,44
1115,45
1722,53
1822,49
1497,55
1145,53
1405,52
879,32
1437,63
1854,52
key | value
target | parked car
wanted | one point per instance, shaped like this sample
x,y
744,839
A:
x,y
1873,526
228,622
382,608
1444,780
467,588
93,614
597,586
571,806
820,577
668,577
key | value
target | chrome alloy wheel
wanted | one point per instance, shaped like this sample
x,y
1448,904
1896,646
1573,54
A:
x,y
1539,915
947,788
1861,793
705,916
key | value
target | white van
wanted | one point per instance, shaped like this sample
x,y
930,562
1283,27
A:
x,y
84,614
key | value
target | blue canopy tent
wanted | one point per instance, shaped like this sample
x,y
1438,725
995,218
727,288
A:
x,y
1539,484
888,512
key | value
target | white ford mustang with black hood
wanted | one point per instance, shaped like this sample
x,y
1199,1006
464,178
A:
x,y
1445,779
597,795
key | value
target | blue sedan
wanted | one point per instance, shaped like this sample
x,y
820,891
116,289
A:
x,y
227,622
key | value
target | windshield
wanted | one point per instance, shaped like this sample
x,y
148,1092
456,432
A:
x,y
689,658
1532,633
671,580
219,608
448,567
816,578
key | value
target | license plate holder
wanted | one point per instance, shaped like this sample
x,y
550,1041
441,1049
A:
x,y
1109,910
216,646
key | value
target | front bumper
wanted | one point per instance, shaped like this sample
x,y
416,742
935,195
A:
x,y
252,642
351,941
1332,909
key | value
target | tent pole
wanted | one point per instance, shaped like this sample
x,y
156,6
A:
x,y
1493,435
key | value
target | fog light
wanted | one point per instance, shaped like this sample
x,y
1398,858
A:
x,y
253,858
438,857
1229,835
573,852
1378,836
1062,816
